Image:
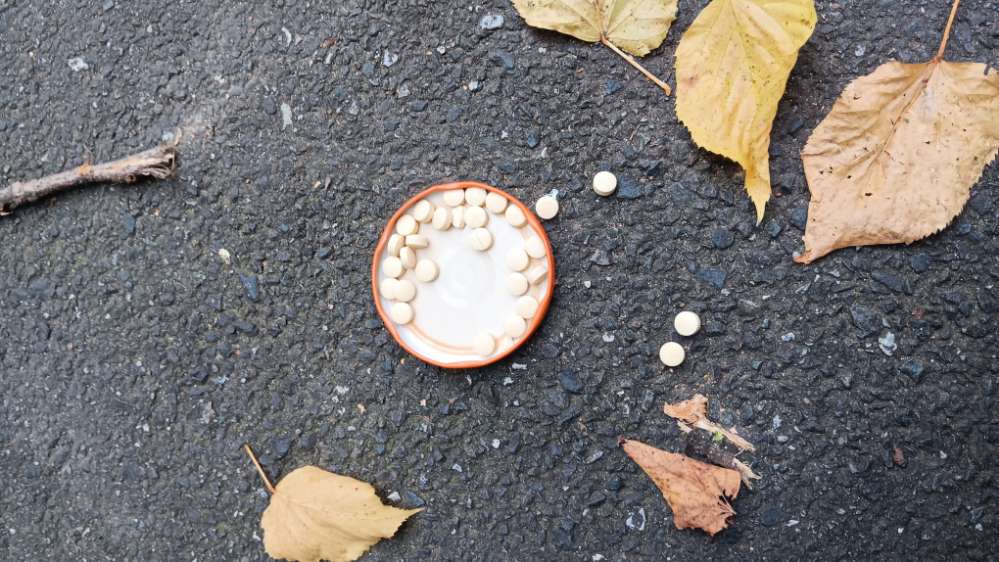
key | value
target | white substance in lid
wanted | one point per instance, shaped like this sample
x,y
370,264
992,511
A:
x,y
454,197
517,284
417,241
535,247
480,239
484,344
515,326
404,291
407,225
475,196
458,217
401,313
517,259
392,266
423,211
515,216
442,218
496,203
426,271
527,306
408,257
395,243
476,217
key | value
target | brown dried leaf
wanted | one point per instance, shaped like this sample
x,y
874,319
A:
x,y
695,491
895,159
694,413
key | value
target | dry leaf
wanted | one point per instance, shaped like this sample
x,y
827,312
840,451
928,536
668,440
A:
x,y
731,68
317,515
695,491
636,26
895,159
694,413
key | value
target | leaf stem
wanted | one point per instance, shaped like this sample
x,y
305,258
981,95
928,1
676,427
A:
x,y
946,33
665,87
263,475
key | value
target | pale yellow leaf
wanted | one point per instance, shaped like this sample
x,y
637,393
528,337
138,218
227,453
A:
x,y
317,515
636,26
895,159
732,65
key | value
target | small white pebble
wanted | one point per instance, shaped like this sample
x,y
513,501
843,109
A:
x,y
417,241
517,284
401,313
442,218
535,247
475,196
496,203
476,217
517,259
458,217
604,183
515,216
496,443
405,291
392,266
407,225
546,207
225,256
671,354
536,274
480,239
395,243
527,306
408,257
454,197
484,344
387,287
515,326
687,323
423,211
426,271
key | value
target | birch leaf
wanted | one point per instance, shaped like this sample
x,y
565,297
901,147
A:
x,y
732,65
633,26
895,159
695,491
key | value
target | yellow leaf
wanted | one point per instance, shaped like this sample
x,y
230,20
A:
x,y
634,26
317,515
732,65
895,159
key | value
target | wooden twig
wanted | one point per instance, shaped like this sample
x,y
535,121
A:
x,y
260,469
652,77
156,163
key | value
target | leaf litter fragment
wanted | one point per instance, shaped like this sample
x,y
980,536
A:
x,y
692,414
697,492
895,159
317,515
624,26
732,65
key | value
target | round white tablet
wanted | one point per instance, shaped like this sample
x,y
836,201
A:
x,y
387,288
426,271
458,217
480,239
604,183
423,211
395,243
442,218
535,247
517,284
546,207
671,354
401,313
407,225
476,217
496,203
687,323
484,344
417,241
408,257
515,326
454,197
515,216
475,196
536,274
527,306
517,259
405,290
392,266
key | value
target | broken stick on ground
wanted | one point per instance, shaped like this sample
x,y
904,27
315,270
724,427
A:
x,y
156,163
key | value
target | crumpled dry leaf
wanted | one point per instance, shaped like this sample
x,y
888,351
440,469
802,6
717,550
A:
x,y
731,68
317,515
895,159
636,26
695,491
694,413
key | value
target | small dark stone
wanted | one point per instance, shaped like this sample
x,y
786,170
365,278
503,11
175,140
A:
x,y
912,368
614,484
532,139
612,87
128,225
865,320
562,535
280,447
505,59
600,257
799,217
418,106
252,285
628,188
774,228
595,499
570,382
722,239
712,276
307,442
893,282
771,517
713,328
198,376
411,500
323,253
920,263
550,350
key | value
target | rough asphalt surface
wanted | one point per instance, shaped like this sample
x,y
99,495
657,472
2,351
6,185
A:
x,y
134,362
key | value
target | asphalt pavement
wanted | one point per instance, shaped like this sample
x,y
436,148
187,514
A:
x,y
134,361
